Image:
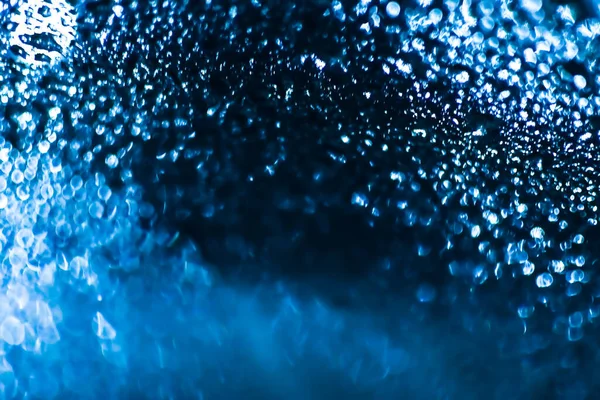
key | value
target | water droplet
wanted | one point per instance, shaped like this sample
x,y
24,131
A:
x,y
112,161
96,209
392,9
574,334
525,311
78,267
17,177
557,266
426,293
359,199
18,258
544,280
480,275
528,268
532,6
575,276
492,218
12,331
462,77
537,233
25,238
102,328
579,81
576,319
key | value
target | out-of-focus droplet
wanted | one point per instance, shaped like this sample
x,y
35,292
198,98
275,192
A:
x,y
426,293
392,9
532,6
544,280
12,331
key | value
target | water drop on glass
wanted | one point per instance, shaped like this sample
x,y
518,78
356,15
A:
x,y
17,177
575,334
579,81
532,6
25,238
12,331
525,311
426,293
557,266
436,16
575,276
462,77
96,210
18,258
392,9
537,233
359,199
112,161
576,319
544,280
528,268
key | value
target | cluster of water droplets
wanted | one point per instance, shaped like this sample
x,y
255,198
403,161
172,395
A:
x,y
463,133
38,32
